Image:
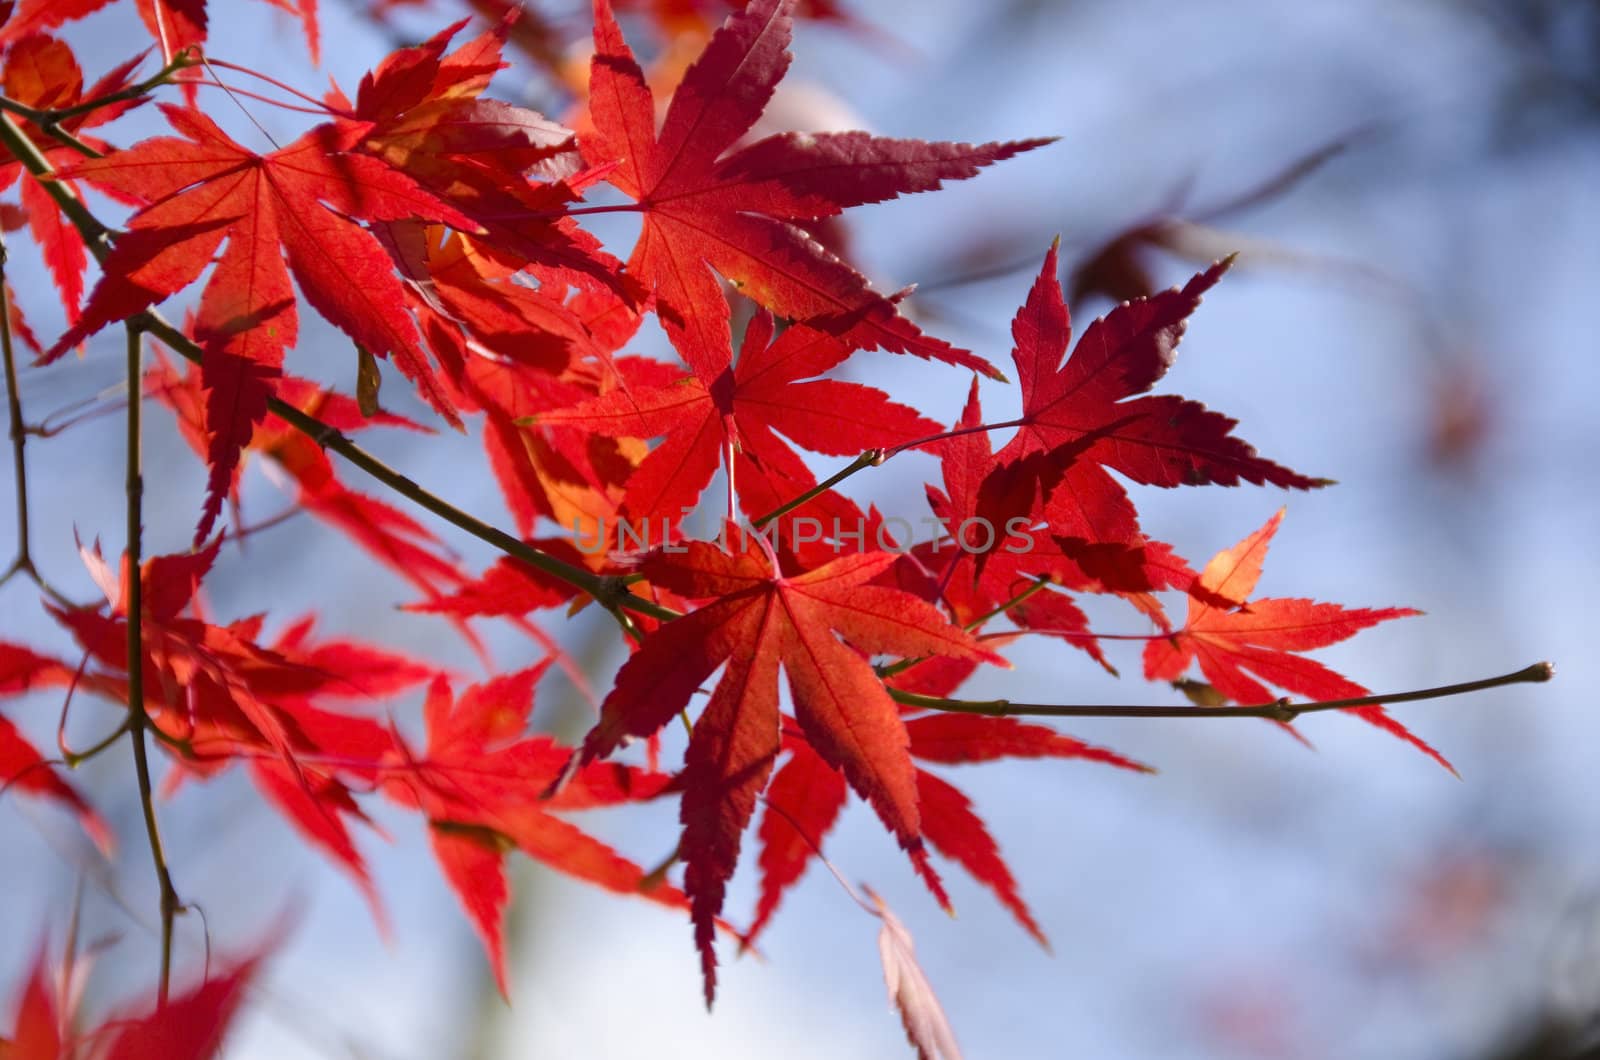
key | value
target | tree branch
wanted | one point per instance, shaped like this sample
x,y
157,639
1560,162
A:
x,y
133,607
1279,710
19,431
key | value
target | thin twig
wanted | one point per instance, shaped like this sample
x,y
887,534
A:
x,y
138,720
74,759
181,61
875,458
894,669
22,110
870,458
1279,710
19,432
275,83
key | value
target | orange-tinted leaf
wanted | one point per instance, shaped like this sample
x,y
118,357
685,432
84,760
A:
x,y
1258,642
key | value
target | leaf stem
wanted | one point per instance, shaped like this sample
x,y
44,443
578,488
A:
x,y
1034,586
583,211
875,457
74,759
905,664
870,458
955,432
1279,710
275,83
235,90
133,608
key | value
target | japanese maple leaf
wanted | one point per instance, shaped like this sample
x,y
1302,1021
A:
x,y
224,696
1259,641
742,411
736,213
1078,422
479,784
986,563
807,795
422,112
206,188
759,620
22,767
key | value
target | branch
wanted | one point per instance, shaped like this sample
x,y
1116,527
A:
x,y
133,607
1278,710
19,431
23,563
48,119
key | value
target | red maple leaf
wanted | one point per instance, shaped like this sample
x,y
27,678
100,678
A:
x,y
421,111
757,621
218,695
985,563
1078,421
736,213
741,412
479,785
1258,641
205,188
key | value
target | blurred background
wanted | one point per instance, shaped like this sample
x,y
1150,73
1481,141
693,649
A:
x,y
1414,187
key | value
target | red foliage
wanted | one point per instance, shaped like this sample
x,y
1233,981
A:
x,y
443,230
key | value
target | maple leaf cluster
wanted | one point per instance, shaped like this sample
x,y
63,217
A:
x,y
441,230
